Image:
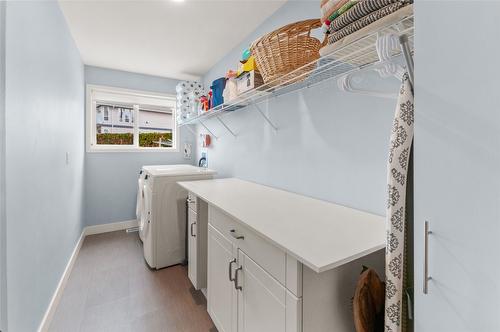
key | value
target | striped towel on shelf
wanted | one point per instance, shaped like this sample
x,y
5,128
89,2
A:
x,y
327,7
358,11
364,21
329,13
342,10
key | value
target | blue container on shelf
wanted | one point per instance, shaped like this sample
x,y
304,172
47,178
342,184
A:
x,y
217,89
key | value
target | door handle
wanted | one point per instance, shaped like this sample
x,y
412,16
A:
x,y
230,269
426,257
236,282
237,237
191,231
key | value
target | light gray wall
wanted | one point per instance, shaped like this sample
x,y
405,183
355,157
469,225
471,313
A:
x,y
45,116
330,144
111,181
3,255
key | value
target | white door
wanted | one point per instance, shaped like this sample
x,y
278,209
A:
x,y
192,248
221,293
262,300
457,166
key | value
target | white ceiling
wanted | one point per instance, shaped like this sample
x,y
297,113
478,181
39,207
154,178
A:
x,y
181,40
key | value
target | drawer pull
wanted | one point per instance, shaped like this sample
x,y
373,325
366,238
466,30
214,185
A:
x,y
236,274
237,237
192,233
230,269
427,232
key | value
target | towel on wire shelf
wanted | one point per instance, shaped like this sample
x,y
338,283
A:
x,y
326,24
364,21
330,13
358,11
327,6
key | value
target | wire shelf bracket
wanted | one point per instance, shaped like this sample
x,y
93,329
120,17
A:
x,y
191,130
265,117
226,126
209,131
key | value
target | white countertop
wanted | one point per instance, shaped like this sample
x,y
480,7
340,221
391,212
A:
x,y
319,234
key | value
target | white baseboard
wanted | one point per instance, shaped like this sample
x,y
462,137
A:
x,y
49,314
89,230
114,226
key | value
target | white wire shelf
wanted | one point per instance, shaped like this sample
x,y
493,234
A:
x,y
343,60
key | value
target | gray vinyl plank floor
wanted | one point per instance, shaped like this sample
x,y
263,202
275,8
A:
x,y
111,289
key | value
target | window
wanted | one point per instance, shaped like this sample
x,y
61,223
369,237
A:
x,y
126,120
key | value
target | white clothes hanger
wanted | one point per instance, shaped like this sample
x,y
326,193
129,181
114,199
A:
x,y
385,67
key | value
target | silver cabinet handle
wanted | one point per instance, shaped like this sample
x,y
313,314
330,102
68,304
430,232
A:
x,y
237,237
230,269
191,231
189,200
426,258
236,283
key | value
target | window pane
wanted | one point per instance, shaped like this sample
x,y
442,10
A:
x,y
155,127
114,124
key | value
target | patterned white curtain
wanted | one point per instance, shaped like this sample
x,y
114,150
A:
x,y
397,172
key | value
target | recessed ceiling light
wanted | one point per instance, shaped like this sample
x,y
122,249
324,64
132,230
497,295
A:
x,y
178,0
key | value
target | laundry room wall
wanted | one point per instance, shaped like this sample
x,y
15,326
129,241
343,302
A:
x,y
44,156
330,145
111,178
3,242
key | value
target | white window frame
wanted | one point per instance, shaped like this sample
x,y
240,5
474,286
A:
x,y
91,144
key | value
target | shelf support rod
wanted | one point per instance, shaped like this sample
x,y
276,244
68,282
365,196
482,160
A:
x,y
225,126
265,117
209,131
405,48
190,129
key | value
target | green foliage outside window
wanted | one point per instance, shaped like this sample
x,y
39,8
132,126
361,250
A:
x,y
145,139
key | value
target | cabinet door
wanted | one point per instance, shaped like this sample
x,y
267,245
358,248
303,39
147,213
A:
x,y
457,168
192,248
262,300
221,293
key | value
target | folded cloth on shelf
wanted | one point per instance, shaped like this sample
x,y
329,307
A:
x,y
325,9
364,21
340,49
341,10
359,10
334,8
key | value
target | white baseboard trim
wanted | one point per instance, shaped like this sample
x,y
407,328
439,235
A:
x,y
89,230
49,314
114,226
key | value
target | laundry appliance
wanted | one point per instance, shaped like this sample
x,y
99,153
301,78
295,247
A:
x,y
161,207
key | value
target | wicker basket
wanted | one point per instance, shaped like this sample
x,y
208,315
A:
x,y
285,50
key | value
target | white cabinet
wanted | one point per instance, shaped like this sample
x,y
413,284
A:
x,y
262,300
247,288
192,248
457,170
222,296
197,223
292,279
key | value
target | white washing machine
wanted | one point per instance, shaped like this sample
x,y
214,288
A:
x,y
162,226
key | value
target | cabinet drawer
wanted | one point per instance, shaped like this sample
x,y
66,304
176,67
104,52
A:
x,y
192,201
268,256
